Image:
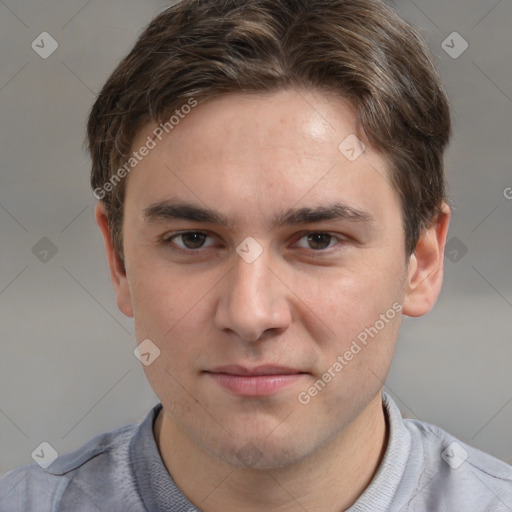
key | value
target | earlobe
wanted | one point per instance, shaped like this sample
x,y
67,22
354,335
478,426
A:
x,y
425,273
117,270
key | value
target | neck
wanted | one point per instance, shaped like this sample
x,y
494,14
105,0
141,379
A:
x,y
332,478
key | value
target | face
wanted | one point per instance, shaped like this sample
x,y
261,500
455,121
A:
x,y
268,267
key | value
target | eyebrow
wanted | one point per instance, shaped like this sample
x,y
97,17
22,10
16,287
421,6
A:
x,y
173,210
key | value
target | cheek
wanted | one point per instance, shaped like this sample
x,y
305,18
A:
x,y
355,367
170,307
151,298
349,299
172,312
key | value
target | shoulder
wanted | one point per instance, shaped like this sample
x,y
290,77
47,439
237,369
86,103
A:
x,y
456,475
76,478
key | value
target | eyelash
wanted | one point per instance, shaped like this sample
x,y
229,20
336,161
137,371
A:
x,y
168,241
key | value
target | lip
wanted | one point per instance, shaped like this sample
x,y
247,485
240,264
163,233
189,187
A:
x,y
262,380
262,370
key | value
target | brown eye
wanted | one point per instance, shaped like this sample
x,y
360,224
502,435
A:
x,y
191,240
319,241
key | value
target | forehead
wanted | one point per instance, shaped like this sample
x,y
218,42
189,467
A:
x,y
265,152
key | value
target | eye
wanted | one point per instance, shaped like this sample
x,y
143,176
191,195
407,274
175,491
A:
x,y
317,241
190,240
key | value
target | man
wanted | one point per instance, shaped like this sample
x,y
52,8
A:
x,y
272,200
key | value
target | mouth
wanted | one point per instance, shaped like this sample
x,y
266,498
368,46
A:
x,y
262,380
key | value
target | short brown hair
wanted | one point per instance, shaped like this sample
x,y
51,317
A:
x,y
361,50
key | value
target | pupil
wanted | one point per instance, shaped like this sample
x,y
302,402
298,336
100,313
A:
x,y
193,240
319,240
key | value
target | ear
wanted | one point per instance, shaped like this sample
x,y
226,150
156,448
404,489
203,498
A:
x,y
117,270
425,272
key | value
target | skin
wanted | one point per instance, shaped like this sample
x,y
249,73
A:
x,y
299,304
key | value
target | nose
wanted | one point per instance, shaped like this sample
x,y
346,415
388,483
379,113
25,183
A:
x,y
253,301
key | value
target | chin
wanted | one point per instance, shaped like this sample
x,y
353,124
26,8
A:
x,y
256,456
261,452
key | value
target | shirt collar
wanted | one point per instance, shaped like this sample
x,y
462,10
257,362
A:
x,y
156,487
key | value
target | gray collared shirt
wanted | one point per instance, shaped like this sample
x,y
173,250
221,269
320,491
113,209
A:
x,y
424,469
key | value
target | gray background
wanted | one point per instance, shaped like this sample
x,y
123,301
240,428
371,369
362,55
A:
x,y
67,369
